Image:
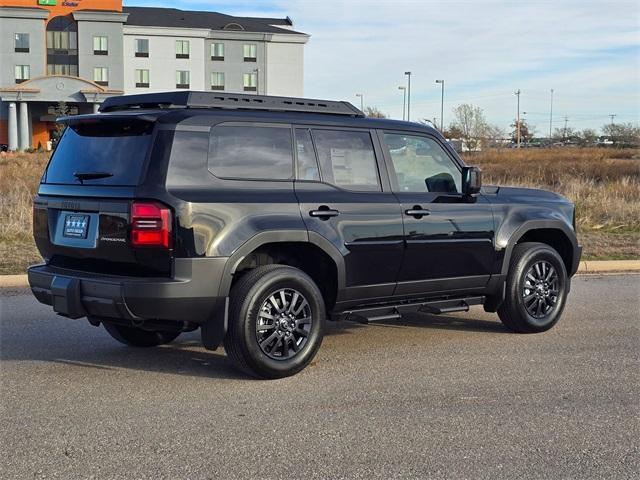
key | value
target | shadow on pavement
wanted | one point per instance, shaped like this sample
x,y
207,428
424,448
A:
x,y
76,343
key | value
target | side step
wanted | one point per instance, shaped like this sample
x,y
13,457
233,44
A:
x,y
393,312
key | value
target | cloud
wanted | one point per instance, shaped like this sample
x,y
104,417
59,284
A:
x,y
588,51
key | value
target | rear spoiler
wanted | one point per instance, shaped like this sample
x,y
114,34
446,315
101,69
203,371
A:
x,y
110,117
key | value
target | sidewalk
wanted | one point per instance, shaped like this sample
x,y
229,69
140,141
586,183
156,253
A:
x,y
586,267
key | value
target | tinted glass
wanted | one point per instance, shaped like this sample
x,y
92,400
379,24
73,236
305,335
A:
x,y
347,159
422,165
250,152
307,163
118,148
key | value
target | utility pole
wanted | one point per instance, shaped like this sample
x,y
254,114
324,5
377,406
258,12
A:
x,y
613,115
441,105
517,94
551,117
564,132
404,99
408,74
361,100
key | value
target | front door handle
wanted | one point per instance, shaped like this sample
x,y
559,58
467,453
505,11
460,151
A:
x,y
324,213
417,212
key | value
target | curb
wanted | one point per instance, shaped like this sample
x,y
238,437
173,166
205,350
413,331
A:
x,y
586,267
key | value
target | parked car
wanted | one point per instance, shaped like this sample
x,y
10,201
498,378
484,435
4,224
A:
x,y
255,219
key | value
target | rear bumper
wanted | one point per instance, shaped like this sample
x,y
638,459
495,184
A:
x,y
189,296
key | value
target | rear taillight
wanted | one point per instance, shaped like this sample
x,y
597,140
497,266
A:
x,y
150,225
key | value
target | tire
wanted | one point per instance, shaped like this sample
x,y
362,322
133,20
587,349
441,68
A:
x,y
531,304
276,322
136,337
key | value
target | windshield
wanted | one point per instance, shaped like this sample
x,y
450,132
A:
x,y
117,148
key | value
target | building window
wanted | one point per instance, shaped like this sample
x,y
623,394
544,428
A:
x,y
142,78
182,79
101,76
182,48
62,69
217,81
250,81
22,42
142,47
22,73
62,46
100,46
250,52
217,51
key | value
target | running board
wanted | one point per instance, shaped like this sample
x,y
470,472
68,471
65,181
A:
x,y
394,312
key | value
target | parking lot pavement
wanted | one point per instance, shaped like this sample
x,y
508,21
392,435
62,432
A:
x,y
452,396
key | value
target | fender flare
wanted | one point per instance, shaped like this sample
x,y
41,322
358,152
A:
x,y
540,224
280,236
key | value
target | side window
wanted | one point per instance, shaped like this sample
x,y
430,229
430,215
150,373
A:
x,y
250,152
347,159
422,165
307,163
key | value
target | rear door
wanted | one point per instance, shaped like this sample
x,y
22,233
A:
x,y
348,202
82,210
449,237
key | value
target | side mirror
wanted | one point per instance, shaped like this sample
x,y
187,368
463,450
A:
x,y
471,180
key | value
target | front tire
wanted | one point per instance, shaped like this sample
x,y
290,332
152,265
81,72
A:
x,y
537,287
276,322
136,337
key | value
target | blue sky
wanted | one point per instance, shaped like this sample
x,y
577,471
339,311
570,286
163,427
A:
x,y
587,51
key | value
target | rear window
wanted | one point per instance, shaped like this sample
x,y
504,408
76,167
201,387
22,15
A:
x,y
117,148
251,152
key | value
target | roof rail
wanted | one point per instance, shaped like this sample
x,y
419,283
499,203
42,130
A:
x,y
193,99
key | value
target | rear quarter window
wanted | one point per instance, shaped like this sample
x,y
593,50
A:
x,y
118,148
251,152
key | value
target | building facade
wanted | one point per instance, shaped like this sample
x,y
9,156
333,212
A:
x,y
66,56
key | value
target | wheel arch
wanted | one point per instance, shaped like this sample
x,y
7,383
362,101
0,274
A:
x,y
553,232
310,252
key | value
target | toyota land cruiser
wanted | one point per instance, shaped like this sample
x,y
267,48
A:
x,y
257,218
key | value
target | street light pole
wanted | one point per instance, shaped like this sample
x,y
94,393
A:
x,y
441,106
408,74
551,117
361,100
517,94
404,99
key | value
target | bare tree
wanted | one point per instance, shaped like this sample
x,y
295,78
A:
x,y
622,134
374,112
471,123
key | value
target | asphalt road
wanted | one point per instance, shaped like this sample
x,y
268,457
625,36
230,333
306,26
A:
x,y
438,397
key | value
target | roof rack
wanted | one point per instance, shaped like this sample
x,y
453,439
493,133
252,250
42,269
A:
x,y
193,99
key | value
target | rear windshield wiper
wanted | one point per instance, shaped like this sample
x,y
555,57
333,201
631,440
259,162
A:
x,y
91,175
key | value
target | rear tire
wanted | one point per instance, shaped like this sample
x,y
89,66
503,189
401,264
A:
x,y
536,292
276,322
136,337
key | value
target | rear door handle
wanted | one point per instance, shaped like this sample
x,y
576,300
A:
x,y
324,213
417,211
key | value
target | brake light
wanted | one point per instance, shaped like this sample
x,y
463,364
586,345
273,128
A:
x,y
150,225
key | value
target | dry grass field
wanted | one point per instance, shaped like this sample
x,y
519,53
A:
x,y
604,184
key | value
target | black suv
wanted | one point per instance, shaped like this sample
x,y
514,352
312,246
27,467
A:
x,y
256,218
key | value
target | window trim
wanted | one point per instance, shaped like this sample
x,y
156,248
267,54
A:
x,y
183,86
102,83
391,172
262,125
141,84
250,59
217,58
22,70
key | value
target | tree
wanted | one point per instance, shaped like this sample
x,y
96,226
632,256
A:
x,y
453,132
527,132
60,110
374,112
622,134
470,122
587,137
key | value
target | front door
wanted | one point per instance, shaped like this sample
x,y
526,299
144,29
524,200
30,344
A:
x,y
348,202
449,237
